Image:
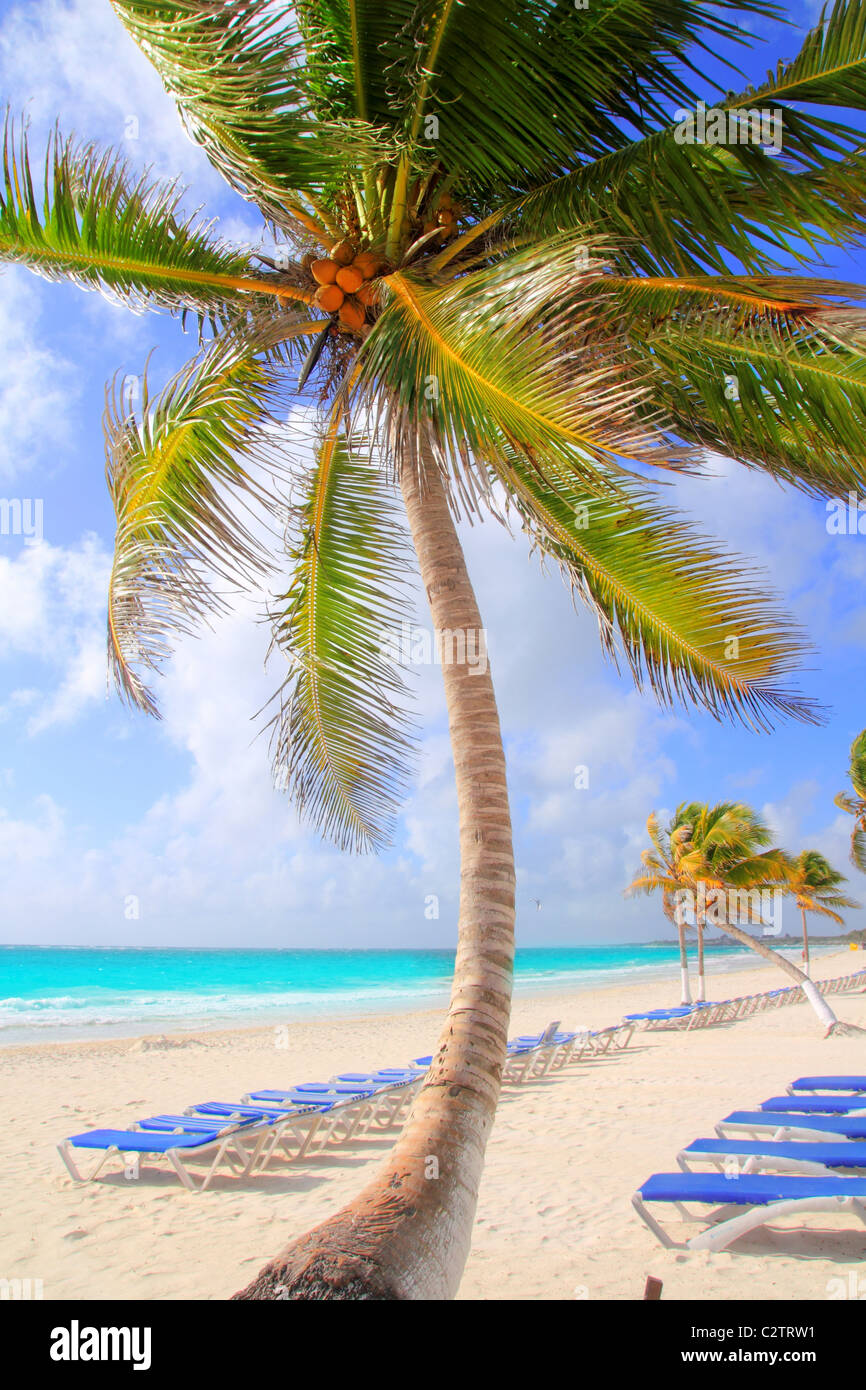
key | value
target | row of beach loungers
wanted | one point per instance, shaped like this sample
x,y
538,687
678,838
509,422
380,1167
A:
x,y
246,1136
798,1153
706,1013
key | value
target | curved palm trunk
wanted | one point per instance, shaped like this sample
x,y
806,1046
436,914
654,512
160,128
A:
x,y
805,942
407,1235
685,991
811,991
702,984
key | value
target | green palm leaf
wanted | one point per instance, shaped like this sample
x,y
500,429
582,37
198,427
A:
x,y
341,738
92,222
520,88
182,480
830,68
858,849
693,624
857,765
774,391
245,81
816,885
494,360
675,207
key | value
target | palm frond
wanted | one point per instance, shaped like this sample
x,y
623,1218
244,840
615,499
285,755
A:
x,y
189,500
521,88
513,358
830,69
676,205
91,221
858,849
246,84
777,391
341,739
694,625
857,765
755,871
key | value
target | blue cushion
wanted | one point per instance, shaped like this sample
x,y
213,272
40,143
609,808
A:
x,y
749,1189
829,1083
135,1142
225,1109
819,1105
830,1124
843,1155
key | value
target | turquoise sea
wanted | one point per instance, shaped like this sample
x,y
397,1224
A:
x,y
49,993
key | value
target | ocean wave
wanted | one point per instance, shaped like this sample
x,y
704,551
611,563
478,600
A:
x,y
84,1011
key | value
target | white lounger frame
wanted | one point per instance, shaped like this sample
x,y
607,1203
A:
x,y
226,1148
721,1234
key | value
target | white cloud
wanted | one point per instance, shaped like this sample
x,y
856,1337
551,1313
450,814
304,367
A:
x,y
72,61
52,612
37,388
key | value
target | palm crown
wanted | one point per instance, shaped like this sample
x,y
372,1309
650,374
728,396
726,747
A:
x,y
816,885
856,805
547,294
721,846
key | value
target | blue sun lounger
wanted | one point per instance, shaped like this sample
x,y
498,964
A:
x,y
660,1015
355,1107
388,1076
218,1144
758,1199
757,1155
784,1125
816,1105
290,1129
827,1083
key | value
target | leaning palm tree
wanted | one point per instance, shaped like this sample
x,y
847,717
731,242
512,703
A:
x,y
661,870
507,286
722,871
856,805
815,885
710,842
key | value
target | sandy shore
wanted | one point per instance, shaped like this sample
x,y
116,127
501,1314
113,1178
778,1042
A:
x,y
555,1219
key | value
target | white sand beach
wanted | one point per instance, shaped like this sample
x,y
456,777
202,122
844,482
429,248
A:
x,y
555,1219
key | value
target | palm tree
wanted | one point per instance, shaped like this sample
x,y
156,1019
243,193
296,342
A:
x,y
712,841
661,871
510,286
815,884
722,862
856,805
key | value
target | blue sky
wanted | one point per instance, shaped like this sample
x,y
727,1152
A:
x,y
118,830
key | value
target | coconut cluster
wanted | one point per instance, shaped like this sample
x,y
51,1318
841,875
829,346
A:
x,y
445,218
344,278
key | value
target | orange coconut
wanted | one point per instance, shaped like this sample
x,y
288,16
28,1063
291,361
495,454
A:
x,y
330,298
368,263
324,272
368,293
349,278
352,314
343,253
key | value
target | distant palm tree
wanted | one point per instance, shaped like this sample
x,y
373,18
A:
x,y
856,805
721,856
662,869
815,884
518,286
